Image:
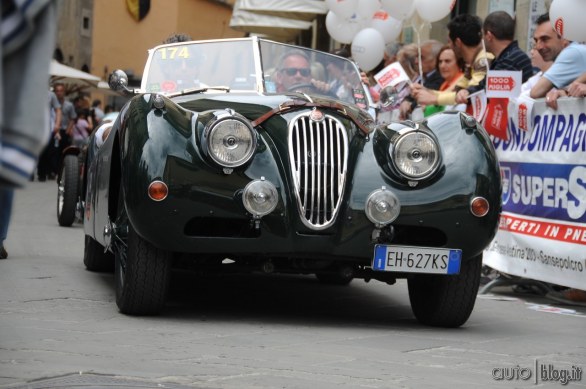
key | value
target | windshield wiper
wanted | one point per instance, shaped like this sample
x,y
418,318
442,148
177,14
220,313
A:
x,y
189,91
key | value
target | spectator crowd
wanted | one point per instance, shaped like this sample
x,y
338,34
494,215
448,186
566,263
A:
x,y
443,76
71,122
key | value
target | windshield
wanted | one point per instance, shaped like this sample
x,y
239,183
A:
x,y
291,68
175,67
252,64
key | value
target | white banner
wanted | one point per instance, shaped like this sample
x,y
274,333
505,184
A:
x,y
520,111
391,75
478,102
542,232
503,83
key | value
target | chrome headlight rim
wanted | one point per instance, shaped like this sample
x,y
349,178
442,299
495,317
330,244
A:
x,y
395,148
221,119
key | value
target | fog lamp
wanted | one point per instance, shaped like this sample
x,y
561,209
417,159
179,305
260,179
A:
x,y
382,207
260,197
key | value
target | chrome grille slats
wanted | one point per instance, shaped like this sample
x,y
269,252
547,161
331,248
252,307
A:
x,y
318,153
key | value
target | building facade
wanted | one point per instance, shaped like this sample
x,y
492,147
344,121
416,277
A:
x,y
121,42
74,34
99,36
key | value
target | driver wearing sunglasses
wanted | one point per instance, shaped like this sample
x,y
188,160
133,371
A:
x,y
294,70
291,72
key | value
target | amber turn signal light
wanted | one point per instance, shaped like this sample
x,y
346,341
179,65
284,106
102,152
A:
x,y
158,191
479,206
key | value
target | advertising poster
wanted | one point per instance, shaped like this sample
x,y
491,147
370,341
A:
x,y
542,231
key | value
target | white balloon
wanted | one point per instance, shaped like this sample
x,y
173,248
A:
x,y
389,27
342,8
366,9
368,48
434,10
566,18
399,9
341,30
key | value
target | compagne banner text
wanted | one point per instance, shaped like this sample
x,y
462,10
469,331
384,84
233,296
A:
x,y
542,232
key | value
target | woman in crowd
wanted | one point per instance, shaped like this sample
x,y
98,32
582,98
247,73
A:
x,y
452,70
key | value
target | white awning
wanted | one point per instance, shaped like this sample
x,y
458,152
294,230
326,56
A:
x,y
289,9
76,80
276,19
67,74
281,29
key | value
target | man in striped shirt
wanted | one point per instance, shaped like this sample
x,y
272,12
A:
x,y
499,32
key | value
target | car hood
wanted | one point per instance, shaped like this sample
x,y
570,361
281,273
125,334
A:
x,y
254,105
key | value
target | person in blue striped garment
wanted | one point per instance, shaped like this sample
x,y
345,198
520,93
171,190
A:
x,y
27,40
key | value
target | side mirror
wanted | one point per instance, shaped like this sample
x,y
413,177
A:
x,y
118,81
388,96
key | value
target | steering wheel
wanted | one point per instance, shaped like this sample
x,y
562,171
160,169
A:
x,y
305,87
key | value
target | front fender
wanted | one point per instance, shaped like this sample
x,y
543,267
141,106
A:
x,y
469,168
149,138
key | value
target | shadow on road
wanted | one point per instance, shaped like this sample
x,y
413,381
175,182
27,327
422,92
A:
x,y
287,299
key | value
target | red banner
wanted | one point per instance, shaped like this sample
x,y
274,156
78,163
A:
x,y
497,117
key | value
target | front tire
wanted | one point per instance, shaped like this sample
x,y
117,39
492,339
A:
x,y
68,191
94,257
142,277
446,301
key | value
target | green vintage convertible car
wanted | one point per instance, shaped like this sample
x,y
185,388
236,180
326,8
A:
x,y
236,156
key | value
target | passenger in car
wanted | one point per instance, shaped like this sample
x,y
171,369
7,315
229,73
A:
x,y
181,68
337,81
186,72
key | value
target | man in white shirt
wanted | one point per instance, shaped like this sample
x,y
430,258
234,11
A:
x,y
569,61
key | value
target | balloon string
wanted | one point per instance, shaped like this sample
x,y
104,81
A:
x,y
419,53
485,55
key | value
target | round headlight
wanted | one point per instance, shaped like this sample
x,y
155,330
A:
x,y
260,197
231,142
415,155
382,207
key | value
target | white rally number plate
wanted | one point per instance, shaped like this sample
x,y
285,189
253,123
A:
x,y
411,259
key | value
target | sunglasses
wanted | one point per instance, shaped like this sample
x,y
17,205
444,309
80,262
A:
x,y
305,72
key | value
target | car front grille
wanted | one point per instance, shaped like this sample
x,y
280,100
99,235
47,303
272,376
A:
x,y
318,152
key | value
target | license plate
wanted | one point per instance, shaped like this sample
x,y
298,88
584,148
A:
x,y
411,259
